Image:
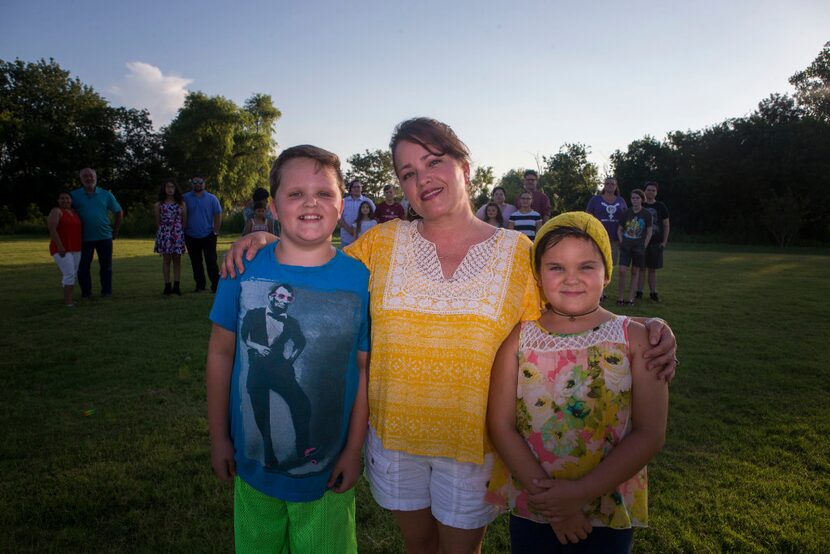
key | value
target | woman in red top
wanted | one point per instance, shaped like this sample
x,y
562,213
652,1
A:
x,y
65,230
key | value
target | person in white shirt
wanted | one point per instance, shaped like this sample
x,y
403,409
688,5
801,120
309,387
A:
x,y
351,207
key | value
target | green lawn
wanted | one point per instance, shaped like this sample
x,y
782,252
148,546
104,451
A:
x,y
105,443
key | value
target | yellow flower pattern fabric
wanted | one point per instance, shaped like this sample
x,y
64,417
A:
x,y
573,406
434,339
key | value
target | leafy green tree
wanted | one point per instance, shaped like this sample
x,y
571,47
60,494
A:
x,y
374,169
481,183
51,126
812,85
137,163
570,177
513,184
231,147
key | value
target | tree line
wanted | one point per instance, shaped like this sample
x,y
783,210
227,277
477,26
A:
x,y
51,125
764,177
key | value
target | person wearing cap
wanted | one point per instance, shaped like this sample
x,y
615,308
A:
x,y
204,218
94,205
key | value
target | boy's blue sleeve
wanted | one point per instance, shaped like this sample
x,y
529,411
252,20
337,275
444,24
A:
x,y
363,336
226,304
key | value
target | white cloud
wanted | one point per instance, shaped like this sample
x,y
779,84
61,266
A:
x,y
146,87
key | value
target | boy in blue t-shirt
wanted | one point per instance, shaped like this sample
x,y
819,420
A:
x,y
286,371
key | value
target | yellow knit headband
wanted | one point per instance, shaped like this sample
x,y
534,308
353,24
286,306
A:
x,y
584,222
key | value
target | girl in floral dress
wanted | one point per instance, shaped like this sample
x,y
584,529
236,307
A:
x,y
573,438
171,218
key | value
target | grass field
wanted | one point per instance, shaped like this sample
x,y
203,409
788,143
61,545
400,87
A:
x,y
104,435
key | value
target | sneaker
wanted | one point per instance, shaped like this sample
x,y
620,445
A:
x,y
654,296
639,295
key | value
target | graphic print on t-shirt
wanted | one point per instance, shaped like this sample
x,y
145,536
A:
x,y
611,210
294,346
634,227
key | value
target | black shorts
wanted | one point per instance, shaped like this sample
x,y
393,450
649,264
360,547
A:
x,y
631,254
654,256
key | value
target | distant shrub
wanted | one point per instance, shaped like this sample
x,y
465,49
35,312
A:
x,y
233,222
139,221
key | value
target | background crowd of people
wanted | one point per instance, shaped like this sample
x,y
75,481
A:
x,y
638,235
81,226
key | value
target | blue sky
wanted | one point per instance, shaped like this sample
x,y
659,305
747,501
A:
x,y
515,79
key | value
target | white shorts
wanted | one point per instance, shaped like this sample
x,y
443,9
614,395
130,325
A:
x,y
453,490
68,265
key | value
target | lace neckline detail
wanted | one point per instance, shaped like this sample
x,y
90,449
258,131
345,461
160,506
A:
x,y
478,287
473,262
535,337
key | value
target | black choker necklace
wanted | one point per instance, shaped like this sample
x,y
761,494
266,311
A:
x,y
572,317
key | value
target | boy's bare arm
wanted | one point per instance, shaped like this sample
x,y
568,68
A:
x,y
347,470
221,349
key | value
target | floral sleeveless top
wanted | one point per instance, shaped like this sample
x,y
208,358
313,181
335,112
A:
x,y
573,406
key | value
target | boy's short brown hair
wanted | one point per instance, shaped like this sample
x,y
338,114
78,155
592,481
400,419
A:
x,y
639,193
324,158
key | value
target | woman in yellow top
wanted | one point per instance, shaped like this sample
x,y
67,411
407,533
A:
x,y
445,292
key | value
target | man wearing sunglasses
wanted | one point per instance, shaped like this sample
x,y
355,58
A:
x,y
204,218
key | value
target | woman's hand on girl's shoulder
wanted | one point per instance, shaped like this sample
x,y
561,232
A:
x,y
662,352
638,337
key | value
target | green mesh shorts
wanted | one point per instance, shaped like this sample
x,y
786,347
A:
x,y
265,524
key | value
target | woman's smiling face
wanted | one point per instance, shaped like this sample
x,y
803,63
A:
x,y
435,184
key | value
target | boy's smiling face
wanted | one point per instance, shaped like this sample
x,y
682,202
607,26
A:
x,y
308,203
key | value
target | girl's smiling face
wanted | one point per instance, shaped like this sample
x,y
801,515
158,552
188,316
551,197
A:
x,y
572,275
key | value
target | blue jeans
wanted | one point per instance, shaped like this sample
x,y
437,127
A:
x,y
529,537
104,250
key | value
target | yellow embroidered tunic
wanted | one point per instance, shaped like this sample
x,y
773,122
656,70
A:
x,y
434,339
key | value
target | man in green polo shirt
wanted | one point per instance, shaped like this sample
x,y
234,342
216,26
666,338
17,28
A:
x,y
93,205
